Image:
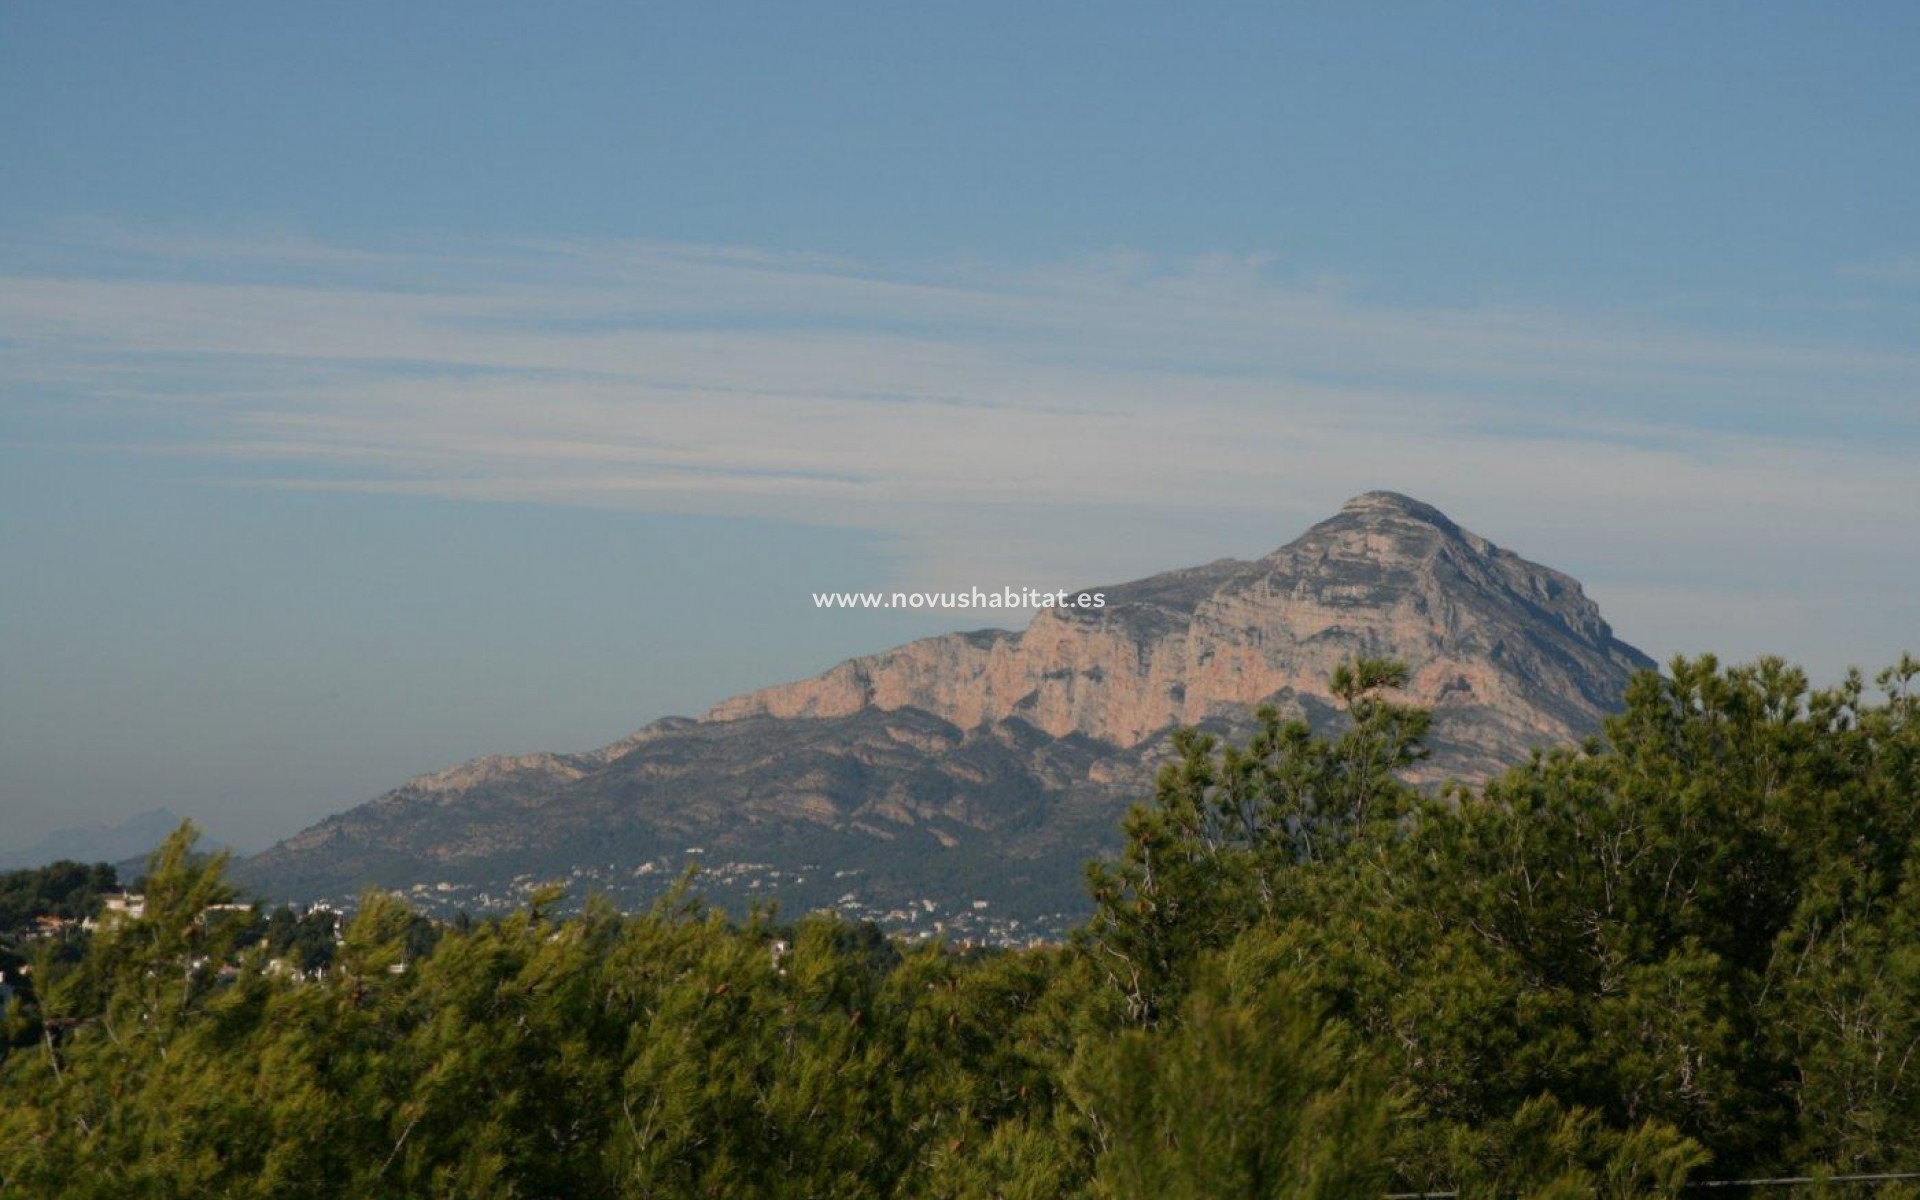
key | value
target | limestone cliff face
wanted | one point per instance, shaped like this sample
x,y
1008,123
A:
x,y
989,766
1508,653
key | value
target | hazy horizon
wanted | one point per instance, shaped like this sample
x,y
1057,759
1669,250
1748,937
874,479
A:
x,y
387,388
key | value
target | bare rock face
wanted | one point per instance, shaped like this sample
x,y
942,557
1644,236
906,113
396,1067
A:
x,y
1509,654
990,765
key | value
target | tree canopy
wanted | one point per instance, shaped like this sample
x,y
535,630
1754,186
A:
x,y
1689,950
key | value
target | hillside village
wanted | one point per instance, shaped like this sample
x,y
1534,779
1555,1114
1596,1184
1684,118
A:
x,y
738,888
64,905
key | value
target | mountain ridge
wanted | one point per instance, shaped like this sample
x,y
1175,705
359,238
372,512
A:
x,y
124,843
968,759
967,679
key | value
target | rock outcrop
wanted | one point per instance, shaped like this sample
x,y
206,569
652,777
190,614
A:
x,y
1508,653
990,764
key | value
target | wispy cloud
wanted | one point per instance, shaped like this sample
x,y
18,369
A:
x,y
1901,269
1076,418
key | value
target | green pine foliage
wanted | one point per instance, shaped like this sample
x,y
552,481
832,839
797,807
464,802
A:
x,y
1687,951
63,889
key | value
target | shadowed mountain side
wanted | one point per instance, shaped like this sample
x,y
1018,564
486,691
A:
x,y
125,844
1509,654
980,769
867,789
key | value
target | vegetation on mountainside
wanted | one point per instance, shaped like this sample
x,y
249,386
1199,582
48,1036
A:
x,y
1691,952
68,890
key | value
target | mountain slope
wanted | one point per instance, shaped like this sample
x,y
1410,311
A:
x,y
985,767
1510,654
125,844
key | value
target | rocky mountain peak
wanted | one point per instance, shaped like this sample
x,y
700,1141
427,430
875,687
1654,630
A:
x,y
999,751
1396,505
1494,641
1381,526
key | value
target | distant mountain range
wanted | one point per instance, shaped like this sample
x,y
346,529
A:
x,y
125,844
963,780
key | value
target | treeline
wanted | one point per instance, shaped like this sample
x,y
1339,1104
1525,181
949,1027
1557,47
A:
x,y
68,890
1691,952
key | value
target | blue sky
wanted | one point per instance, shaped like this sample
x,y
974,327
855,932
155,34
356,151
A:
x,y
385,385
